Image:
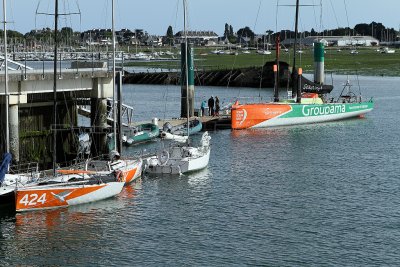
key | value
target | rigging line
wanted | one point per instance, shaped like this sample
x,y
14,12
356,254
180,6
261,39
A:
x,y
64,2
36,11
11,8
347,16
61,14
80,15
174,20
105,12
315,15
358,82
165,101
334,13
231,71
258,12
320,19
276,16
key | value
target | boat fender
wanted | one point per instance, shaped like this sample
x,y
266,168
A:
x,y
163,157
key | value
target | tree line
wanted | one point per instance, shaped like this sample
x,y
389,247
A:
x,y
374,29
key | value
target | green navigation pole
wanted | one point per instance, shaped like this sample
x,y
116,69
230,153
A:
x,y
187,94
319,67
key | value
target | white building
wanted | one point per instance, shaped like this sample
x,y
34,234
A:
x,y
336,41
197,37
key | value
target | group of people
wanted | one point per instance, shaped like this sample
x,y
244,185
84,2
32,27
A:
x,y
212,105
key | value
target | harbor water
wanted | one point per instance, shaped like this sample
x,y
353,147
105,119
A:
x,y
312,195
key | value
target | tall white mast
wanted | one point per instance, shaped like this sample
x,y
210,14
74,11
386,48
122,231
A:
x,y
113,80
55,87
186,65
6,78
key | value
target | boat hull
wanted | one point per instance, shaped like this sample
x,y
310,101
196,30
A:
x,y
263,115
176,166
58,195
132,170
7,195
195,126
145,132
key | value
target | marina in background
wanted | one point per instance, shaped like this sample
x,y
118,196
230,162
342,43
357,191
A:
x,y
284,188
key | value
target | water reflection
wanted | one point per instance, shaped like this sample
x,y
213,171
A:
x,y
60,235
199,179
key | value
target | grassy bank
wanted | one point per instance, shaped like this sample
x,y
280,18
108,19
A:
x,y
367,62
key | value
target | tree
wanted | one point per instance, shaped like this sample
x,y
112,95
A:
x,y
231,34
362,29
226,32
170,35
246,32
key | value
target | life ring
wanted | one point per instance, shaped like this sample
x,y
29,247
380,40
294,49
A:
x,y
163,157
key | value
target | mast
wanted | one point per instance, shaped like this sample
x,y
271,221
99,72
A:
x,y
55,88
6,79
186,66
277,55
296,31
113,80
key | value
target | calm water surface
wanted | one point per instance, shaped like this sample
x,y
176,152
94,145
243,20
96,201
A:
x,y
325,194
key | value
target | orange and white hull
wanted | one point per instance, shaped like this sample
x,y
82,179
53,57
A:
x,y
63,195
260,115
131,169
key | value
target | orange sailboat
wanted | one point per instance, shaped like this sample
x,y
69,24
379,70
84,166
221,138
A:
x,y
73,187
63,194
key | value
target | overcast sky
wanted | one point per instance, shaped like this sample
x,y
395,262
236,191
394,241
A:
x,y
154,16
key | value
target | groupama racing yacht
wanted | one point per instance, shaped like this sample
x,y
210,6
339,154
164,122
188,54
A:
x,y
308,105
311,109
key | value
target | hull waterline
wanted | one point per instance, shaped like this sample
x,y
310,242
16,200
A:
x,y
283,114
56,196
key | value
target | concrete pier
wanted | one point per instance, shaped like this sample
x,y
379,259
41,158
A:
x,y
31,115
98,120
14,131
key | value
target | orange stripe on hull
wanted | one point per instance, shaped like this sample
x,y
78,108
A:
x,y
129,175
44,198
248,115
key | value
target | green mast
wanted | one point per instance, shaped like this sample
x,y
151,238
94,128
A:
x,y
187,94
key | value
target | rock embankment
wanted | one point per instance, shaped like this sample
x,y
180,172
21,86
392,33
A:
x,y
243,77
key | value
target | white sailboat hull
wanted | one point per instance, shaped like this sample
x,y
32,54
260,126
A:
x,y
177,166
179,160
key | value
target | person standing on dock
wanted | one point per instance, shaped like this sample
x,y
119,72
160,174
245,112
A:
x,y
211,106
203,107
217,107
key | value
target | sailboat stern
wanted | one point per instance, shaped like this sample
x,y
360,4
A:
x,y
48,197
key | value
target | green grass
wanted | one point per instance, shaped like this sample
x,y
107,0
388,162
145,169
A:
x,y
367,62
